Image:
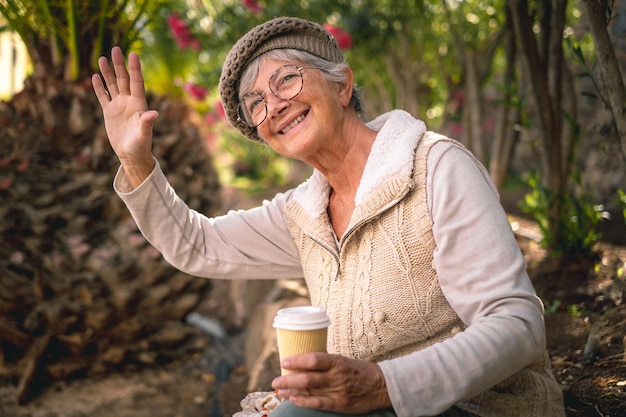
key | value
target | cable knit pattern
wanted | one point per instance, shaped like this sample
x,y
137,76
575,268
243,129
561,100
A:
x,y
380,288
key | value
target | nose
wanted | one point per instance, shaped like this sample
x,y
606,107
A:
x,y
274,103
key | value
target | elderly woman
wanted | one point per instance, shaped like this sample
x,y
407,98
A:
x,y
398,233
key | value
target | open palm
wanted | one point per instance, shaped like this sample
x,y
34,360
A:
x,y
128,121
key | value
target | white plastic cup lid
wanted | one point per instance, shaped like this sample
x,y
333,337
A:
x,y
301,318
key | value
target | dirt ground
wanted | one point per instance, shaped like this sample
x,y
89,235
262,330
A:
x,y
581,300
586,328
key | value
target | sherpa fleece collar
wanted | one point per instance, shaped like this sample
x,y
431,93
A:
x,y
392,154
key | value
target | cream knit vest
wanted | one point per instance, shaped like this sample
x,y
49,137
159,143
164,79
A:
x,y
381,291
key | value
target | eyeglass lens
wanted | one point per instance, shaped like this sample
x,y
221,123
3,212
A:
x,y
285,84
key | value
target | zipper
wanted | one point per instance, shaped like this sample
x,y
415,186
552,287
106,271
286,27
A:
x,y
334,253
364,220
378,212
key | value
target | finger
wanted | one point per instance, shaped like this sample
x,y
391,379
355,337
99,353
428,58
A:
x,y
310,368
109,77
121,74
137,87
101,92
314,361
302,382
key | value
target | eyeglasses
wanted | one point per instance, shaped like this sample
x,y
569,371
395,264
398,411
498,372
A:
x,y
285,83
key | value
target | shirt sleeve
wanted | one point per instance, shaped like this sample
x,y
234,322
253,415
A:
x,y
483,276
243,244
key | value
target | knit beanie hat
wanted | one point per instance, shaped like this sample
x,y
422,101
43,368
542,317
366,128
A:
x,y
278,33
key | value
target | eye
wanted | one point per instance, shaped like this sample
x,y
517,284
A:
x,y
254,103
286,80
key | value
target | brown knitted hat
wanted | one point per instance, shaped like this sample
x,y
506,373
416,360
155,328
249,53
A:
x,y
279,33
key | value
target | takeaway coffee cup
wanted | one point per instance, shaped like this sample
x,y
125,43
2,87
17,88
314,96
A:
x,y
299,330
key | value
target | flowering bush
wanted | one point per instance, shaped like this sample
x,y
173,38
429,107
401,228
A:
x,y
344,40
219,108
195,91
253,6
182,34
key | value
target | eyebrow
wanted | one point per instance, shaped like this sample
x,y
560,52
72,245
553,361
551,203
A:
x,y
298,67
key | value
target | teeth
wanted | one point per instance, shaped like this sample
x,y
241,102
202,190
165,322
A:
x,y
292,124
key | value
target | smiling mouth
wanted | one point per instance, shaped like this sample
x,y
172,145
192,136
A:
x,y
293,123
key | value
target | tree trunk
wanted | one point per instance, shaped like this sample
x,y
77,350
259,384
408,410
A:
x,y
505,133
571,129
536,78
474,121
555,80
405,74
613,81
476,63
543,63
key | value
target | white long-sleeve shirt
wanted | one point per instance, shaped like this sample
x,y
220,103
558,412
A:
x,y
480,269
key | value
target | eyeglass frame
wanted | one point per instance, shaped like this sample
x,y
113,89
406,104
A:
x,y
239,105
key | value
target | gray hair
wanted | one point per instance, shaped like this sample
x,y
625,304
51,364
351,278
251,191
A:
x,y
332,71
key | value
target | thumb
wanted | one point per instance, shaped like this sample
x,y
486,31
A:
x,y
147,119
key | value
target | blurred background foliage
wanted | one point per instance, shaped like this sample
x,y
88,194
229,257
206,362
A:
x,y
454,63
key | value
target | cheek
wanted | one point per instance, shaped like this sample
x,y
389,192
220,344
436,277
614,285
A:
x,y
265,133
329,110
262,133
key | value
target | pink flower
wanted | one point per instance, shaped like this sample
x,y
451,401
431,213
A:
x,y
178,28
213,117
344,40
219,108
211,138
253,6
195,45
181,33
210,118
176,24
195,91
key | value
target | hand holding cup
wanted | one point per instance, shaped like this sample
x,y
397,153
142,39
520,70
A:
x,y
300,329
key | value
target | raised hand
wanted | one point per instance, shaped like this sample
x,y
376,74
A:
x,y
127,120
333,383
